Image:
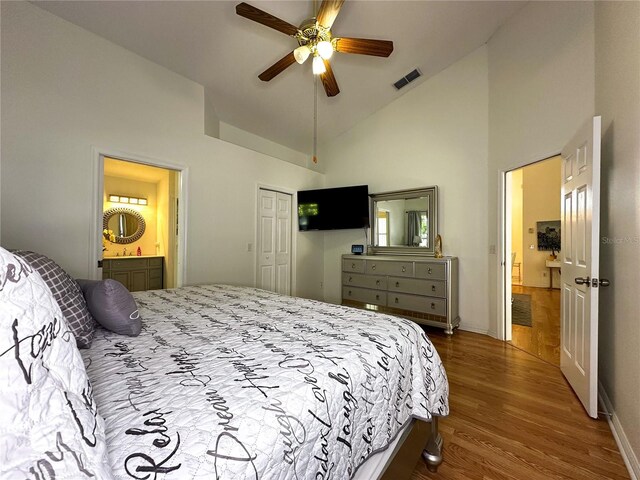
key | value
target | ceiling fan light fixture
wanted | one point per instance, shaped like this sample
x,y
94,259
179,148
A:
x,y
325,49
301,54
318,65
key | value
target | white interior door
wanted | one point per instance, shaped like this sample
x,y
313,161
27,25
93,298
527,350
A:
x,y
283,243
274,241
580,230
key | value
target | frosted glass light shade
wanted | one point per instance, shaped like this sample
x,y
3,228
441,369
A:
x,y
318,65
301,54
325,49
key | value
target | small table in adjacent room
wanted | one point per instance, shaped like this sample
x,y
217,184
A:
x,y
551,264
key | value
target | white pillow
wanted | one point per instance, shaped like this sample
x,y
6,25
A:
x,y
49,423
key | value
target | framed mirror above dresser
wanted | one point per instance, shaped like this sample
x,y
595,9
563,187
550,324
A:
x,y
404,222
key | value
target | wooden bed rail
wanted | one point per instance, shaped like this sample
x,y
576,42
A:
x,y
419,439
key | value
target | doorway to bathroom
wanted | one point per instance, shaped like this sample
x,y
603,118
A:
x,y
140,213
532,211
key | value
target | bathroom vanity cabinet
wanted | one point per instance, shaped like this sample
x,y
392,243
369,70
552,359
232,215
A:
x,y
135,273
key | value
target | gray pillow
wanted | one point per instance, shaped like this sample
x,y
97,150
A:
x,y
112,306
67,294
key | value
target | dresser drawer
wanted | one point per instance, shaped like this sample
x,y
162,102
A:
x,y
155,273
435,271
435,306
155,283
399,269
433,288
366,281
155,262
125,264
374,297
352,265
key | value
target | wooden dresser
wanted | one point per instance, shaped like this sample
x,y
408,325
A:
x,y
423,289
135,273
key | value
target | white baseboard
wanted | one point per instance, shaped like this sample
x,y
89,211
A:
x,y
471,328
628,455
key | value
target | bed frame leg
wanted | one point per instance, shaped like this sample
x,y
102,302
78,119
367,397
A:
x,y
432,454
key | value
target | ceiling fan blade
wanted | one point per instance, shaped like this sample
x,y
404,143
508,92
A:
x,y
257,15
364,46
329,81
277,67
328,12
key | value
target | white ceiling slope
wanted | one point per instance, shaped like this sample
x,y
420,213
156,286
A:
x,y
208,43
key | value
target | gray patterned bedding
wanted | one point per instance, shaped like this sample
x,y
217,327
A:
x,y
240,383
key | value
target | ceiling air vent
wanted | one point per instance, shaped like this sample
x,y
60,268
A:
x,y
407,79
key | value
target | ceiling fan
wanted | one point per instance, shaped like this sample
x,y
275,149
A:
x,y
315,39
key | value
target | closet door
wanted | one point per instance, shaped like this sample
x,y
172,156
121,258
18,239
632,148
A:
x,y
283,244
274,241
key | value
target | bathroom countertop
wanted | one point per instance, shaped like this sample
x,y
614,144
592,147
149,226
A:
x,y
120,257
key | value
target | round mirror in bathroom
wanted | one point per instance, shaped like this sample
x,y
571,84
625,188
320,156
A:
x,y
126,224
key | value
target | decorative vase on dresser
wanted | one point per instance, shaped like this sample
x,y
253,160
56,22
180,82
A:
x,y
422,289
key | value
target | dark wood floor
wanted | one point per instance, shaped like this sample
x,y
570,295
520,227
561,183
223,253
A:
x,y
542,338
513,416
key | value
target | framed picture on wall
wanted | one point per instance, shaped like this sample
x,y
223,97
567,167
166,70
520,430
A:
x,y
548,235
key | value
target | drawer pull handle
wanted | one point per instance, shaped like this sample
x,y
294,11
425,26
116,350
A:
x,y
397,284
351,279
433,288
433,306
353,265
373,267
349,292
397,300
377,297
404,269
377,282
429,270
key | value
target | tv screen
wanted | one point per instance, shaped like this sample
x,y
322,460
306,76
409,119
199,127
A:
x,y
333,208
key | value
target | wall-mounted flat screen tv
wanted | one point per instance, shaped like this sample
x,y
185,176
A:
x,y
333,208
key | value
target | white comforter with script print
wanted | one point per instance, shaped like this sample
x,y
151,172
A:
x,y
238,383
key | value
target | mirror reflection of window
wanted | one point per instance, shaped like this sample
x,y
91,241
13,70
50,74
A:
x,y
383,228
424,229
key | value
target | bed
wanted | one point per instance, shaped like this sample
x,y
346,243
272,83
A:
x,y
235,382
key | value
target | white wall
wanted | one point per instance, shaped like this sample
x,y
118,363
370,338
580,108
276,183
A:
x,y
235,135
436,134
618,101
541,90
64,91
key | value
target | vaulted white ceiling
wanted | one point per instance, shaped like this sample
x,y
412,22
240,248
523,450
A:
x,y
208,43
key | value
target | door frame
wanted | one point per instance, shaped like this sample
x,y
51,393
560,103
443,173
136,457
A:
x,y
294,230
95,238
503,257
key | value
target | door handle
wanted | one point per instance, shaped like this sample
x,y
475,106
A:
x,y
603,282
583,281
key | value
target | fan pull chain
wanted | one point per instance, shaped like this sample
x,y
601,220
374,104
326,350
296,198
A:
x,y
315,119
